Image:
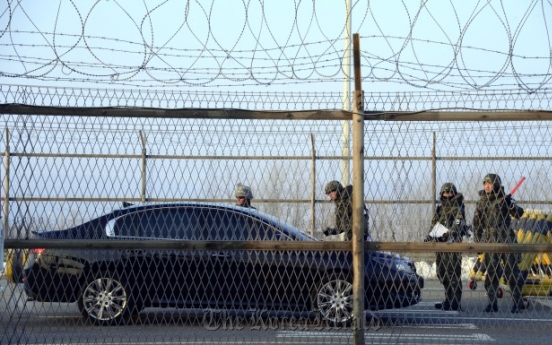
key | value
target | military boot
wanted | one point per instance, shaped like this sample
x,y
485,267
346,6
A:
x,y
439,305
452,306
518,307
491,307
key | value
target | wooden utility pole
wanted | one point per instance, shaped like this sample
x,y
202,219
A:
x,y
358,201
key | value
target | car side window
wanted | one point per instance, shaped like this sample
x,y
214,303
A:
x,y
165,223
195,223
229,225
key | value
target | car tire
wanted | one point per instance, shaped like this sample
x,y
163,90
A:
x,y
106,300
333,300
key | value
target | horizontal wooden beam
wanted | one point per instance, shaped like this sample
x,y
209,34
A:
x,y
469,115
201,113
184,113
429,247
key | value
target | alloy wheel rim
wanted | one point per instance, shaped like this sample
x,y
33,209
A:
x,y
335,301
105,299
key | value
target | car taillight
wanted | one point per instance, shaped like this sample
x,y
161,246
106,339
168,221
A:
x,y
37,251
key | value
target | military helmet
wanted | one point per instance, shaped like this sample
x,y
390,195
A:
x,y
448,187
332,186
243,191
494,179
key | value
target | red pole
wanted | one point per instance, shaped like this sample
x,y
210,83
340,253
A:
x,y
517,185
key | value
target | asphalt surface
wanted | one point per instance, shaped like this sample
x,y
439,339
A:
x,y
25,322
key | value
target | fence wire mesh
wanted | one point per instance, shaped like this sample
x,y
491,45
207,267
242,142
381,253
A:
x,y
162,283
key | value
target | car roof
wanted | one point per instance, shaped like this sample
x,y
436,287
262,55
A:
x,y
93,226
278,223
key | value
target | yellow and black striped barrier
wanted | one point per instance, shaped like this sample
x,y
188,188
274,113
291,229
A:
x,y
534,227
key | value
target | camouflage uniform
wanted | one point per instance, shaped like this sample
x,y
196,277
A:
x,y
344,211
491,224
450,213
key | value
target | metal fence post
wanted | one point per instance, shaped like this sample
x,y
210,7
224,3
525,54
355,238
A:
x,y
434,171
144,158
313,192
5,220
4,234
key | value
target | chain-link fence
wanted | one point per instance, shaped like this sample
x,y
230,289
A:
x,y
157,245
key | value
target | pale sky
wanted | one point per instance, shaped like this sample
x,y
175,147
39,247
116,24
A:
x,y
275,45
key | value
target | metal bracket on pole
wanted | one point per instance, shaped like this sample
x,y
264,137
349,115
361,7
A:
x,y
359,100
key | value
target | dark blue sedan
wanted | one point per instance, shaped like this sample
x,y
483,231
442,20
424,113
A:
x,y
110,286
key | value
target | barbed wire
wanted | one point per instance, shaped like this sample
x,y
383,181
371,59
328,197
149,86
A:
x,y
434,45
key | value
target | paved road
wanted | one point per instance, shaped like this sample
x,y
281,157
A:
x,y
50,323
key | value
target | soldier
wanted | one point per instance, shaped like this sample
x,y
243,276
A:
x,y
341,196
243,196
491,224
450,213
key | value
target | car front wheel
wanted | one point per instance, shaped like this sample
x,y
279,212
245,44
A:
x,y
334,300
105,300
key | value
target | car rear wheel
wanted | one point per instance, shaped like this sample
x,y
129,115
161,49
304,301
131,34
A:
x,y
334,300
106,300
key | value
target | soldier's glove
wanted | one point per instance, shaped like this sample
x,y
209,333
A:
x,y
460,229
511,202
515,210
468,231
326,231
445,237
